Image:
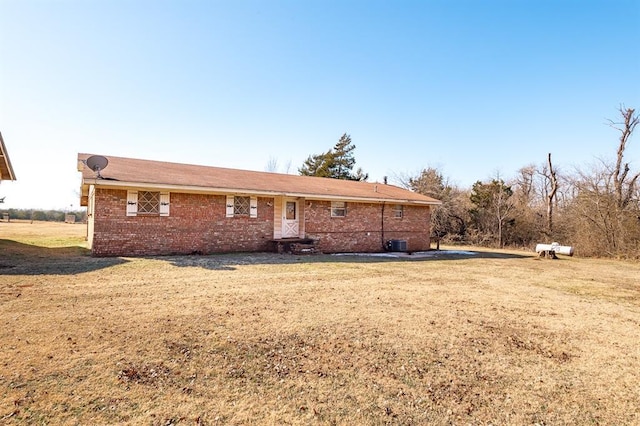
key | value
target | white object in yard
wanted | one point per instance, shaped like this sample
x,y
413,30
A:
x,y
556,248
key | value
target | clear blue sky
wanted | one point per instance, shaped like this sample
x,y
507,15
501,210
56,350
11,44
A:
x,y
472,87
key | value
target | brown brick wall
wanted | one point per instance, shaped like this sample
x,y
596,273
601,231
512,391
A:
x,y
197,224
362,228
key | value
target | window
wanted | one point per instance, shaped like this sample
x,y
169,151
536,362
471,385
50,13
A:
x,y
338,209
398,211
242,206
290,210
148,203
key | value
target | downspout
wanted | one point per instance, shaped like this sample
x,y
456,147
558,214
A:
x,y
382,228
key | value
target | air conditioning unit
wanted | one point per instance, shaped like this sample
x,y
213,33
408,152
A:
x,y
397,245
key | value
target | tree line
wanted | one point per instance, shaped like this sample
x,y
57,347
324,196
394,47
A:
x,y
595,209
42,215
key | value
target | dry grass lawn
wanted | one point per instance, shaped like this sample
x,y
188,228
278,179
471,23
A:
x,y
494,338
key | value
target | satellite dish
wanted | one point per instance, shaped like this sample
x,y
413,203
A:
x,y
97,163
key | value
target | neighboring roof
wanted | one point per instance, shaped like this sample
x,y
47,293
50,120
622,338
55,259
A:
x,y
6,171
133,173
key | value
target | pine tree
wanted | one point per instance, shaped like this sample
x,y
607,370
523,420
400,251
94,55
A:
x,y
317,165
336,163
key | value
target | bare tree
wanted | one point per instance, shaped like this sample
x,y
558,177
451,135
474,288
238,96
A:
x,y
550,188
272,165
448,221
492,207
527,223
287,167
524,182
624,189
596,225
605,208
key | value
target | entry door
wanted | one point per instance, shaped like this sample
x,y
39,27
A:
x,y
290,219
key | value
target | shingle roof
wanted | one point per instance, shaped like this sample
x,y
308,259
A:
x,y
129,172
6,171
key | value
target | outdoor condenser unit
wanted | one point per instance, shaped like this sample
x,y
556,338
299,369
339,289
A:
x,y
397,245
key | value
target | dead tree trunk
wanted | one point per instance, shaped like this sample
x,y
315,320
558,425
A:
x,y
553,182
624,193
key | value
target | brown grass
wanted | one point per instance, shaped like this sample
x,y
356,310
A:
x,y
495,338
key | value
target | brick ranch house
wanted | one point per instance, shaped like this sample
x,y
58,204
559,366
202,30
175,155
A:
x,y
142,207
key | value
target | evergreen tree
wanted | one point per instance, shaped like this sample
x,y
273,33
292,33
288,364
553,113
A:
x,y
317,165
342,160
336,163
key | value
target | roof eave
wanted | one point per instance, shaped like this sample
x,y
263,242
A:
x,y
220,190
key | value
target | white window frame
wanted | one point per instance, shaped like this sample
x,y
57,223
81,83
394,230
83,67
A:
x,y
164,201
338,209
